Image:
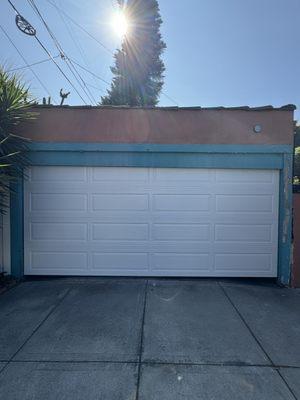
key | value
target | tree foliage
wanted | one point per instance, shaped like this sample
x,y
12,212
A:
x,y
14,106
138,70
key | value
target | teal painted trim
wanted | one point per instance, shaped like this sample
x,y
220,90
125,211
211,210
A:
x,y
172,156
158,160
17,229
285,221
160,148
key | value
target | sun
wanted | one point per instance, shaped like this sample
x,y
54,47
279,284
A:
x,y
120,24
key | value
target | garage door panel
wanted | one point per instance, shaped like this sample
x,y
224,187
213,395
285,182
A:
x,y
174,262
120,231
52,260
143,221
244,176
120,261
178,202
58,202
243,262
115,175
58,231
58,174
243,233
182,175
121,202
181,232
243,247
245,203
181,246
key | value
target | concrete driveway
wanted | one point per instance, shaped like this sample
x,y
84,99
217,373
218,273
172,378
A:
x,y
114,339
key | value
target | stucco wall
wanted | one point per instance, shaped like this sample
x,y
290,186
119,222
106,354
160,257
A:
x,y
188,126
296,241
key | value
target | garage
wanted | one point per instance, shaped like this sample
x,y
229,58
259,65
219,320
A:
x,y
151,221
154,192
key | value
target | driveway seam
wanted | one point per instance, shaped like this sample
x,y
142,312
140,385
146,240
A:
x,y
246,324
40,324
204,364
256,339
286,383
141,342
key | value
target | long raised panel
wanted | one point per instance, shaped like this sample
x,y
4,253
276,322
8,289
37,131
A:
x,y
58,231
120,261
111,174
180,232
120,232
181,202
57,261
150,221
244,176
58,174
244,233
121,202
246,262
247,203
180,262
183,175
58,202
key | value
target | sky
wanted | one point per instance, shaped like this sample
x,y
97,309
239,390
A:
x,y
219,52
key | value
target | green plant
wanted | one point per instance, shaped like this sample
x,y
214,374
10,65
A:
x,y
297,162
14,110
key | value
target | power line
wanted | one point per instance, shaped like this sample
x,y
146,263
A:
x,y
31,65
90,72
101,44
25,61
68,28
60,10
59,47
64,57
95,87
49,55
170,98
81,27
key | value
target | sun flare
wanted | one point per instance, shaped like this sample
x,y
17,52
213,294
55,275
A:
x,y
120,24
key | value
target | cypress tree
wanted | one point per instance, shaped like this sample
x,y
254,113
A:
x,y
138,70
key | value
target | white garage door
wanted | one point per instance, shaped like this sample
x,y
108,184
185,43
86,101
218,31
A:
x,y
151,222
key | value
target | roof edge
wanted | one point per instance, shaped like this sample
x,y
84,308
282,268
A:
x,y
287,107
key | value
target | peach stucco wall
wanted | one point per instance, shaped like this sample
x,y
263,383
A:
x,y
189,126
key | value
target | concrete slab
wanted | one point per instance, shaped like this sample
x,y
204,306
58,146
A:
x,y
2,365
95,322
68,381
292,377
179,382
22,309
274,317
187,322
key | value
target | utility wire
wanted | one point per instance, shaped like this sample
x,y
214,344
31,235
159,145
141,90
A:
x,y
101,44
95,87
90,35
170,98
31,65
90,72
81,27
69,30
64,57
25,61
49,55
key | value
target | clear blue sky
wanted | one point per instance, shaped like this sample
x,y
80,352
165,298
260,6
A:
x,y
219,52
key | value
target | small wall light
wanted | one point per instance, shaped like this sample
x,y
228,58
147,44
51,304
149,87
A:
x,y
257,128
